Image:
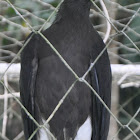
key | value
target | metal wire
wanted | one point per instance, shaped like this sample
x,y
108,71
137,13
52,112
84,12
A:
x,y
21,23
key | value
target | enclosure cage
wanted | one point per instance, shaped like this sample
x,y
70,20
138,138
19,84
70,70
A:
x,y
118,23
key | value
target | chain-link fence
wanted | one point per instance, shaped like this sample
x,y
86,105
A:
x,y
118,22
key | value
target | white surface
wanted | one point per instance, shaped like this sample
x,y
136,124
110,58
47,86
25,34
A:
x,y
116,68
85,131
43,134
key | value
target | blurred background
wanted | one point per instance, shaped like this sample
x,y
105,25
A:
x,y
123,48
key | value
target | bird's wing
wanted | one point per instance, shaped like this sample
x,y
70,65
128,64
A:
x,y
29,65
101,82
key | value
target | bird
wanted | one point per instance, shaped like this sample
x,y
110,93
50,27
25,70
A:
x,y
44,78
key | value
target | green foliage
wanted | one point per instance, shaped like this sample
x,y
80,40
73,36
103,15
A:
x,y
10,12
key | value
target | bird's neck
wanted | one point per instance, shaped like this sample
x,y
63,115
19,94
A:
x,y
74,9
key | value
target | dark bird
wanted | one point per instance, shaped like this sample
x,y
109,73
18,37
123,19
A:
x,y
44,79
